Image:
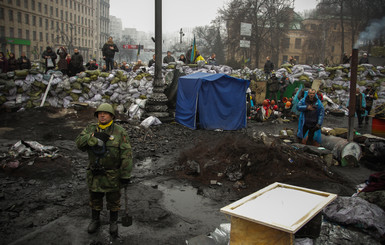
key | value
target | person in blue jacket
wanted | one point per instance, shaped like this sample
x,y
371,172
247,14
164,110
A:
x,y
361,113
311,118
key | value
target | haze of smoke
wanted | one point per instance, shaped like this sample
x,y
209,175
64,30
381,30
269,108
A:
x,y
371,32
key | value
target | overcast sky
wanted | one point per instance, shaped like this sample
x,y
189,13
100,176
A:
x,y
140,14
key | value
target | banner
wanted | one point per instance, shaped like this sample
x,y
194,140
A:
x,y
129,46
193,52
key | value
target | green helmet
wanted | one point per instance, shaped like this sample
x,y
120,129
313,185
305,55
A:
x,y
106,108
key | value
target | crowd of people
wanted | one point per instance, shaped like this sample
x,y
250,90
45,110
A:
x,y
12,64
304,105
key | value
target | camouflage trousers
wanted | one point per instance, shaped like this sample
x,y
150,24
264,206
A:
x,y
112,198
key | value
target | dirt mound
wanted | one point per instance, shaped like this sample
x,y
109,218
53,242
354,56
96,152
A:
x,y
247,162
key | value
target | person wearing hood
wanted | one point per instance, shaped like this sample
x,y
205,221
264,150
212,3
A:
x,y
62,64
198,57
364,59
311,117
109,49
50,59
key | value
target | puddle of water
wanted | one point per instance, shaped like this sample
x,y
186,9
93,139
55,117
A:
x,y
184,201
145,164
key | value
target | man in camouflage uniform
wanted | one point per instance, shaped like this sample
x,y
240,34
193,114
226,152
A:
x,y
110,165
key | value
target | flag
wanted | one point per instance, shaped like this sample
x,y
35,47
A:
x,y
138,50
193,51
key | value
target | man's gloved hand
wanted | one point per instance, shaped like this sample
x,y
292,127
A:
x,y
102,136
125,182
317,126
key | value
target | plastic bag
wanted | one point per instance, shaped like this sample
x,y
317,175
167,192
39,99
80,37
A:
x,y
50,63
150,121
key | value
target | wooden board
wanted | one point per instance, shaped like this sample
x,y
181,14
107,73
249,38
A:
x,y
316,83
260,92
280,206
247,232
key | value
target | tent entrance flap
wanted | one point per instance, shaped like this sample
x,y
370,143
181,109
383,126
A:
x,y
215,101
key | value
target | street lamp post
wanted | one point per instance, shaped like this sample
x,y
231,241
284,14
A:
x,y
157,104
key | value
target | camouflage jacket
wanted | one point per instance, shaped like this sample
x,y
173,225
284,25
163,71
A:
x,y
116,162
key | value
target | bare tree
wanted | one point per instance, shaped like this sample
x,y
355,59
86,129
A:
x,y
270,21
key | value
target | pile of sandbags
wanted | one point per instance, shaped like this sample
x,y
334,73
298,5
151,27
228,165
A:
x,y
25,88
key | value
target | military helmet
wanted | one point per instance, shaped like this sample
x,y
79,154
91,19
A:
x,y
106,108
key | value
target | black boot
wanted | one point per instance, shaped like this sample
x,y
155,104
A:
x,y
114,223
95,222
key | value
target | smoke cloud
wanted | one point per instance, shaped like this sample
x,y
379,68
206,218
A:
x,y
371,32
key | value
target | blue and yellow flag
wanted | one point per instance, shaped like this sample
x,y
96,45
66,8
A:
x,y
138,50
193,51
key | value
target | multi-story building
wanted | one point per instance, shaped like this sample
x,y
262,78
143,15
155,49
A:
x,y
116,27
31,25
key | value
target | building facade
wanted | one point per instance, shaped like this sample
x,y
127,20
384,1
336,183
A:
x,y
31,25
116,27
309,41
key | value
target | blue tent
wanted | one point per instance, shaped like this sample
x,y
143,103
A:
x,y
220,101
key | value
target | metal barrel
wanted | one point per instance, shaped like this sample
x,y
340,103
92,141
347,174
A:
x,y
348,153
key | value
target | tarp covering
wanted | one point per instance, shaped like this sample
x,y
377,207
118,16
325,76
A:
x,y
215,101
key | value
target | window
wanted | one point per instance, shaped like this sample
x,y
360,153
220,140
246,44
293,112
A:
x,y
18,3
57,12
27,19
39,7
332,49
286,42
45,9
297,59
298,43
33,5
52,38
284,59
18,17
51,10
26,4
27,34
19,33
52,24
57,26
313,27
20,49
1,13
66,16
40,22
33,20
46,37
10,14
61,14
2,31
11,32
34,35
46,24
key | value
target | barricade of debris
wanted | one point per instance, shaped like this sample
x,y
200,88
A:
x,y
128,91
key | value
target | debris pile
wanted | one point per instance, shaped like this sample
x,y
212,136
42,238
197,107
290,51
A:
x,y
242,160
128,91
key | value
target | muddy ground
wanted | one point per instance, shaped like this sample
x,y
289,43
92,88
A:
x,y
172,197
